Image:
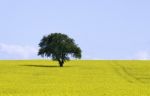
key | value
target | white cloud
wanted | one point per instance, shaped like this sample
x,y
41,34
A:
x,y
143,55
17,51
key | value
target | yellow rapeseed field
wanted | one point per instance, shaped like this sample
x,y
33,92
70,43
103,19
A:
x,y
76,78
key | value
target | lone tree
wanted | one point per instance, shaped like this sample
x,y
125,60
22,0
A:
x,y
60,47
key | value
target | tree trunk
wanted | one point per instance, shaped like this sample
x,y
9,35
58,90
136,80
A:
x,y
61,63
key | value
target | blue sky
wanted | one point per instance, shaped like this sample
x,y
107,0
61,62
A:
x,y
104,29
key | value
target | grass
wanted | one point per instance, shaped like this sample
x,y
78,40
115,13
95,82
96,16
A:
x,y
76,78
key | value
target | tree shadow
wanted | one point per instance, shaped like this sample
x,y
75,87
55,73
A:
x,y
46,66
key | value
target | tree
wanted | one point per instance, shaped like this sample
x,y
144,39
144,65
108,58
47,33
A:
x,y
59,47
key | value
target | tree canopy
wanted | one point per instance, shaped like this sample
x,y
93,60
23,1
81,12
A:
x,y
59,47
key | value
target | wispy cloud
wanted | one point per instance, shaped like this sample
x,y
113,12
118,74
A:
x,y
143,55
10,51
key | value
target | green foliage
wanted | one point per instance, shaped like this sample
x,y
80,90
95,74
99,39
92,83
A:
x,y
87,78
59,46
